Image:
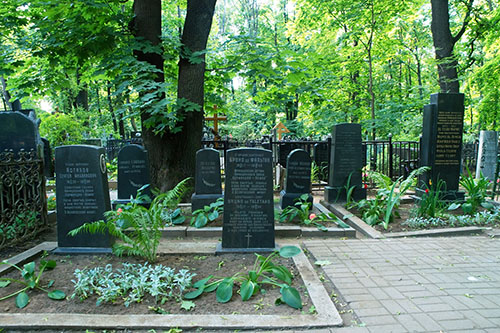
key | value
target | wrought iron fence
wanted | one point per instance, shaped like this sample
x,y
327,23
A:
x,y
23,205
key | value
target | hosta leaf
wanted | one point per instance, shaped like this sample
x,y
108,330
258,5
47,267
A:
x,y
22,300
289,251
57,295
252,275
201,221
195,293
51,264
246,290
211,288
213,215
4,284
224,291
202,282
291,297
282,274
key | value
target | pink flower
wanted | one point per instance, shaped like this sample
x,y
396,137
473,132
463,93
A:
x,y
426,190
119,211
312,216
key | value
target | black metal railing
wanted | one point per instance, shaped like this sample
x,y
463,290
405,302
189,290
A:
x,y
23,204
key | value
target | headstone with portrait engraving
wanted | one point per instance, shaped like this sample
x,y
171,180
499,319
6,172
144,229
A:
x,y
487,154
248,202
82,196
441,145
208,185
346,162
298,178
133,171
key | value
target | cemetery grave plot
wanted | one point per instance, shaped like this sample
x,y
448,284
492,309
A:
x,y
202,265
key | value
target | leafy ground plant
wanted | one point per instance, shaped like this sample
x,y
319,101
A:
x,y
31,280
384,207
138,228
201,217
263,272
301,211
131,283
476,193
430,204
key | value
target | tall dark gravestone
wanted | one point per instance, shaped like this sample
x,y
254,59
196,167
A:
x,y
208,186
346,160
48,163
133,171
248,201
321,157
82,196
441,145
17,132
298,178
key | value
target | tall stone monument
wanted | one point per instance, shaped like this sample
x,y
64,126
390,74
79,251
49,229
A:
x,y
82,196
208,185
441,145
487,154
248,202
346,162
17,132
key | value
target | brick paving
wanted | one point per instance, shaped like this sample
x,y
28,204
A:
x,y
416,285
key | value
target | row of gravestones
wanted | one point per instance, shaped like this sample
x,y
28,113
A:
x,y
249,214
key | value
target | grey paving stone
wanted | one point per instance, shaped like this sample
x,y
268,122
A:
x,y
427,322
479,320
446,315
460,324
438,307
378,320
388,328
410,324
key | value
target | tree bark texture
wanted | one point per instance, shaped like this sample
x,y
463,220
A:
x,y
172,156
444,42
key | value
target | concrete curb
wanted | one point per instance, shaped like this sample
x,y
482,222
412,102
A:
x,y
352,220
327,315
461,231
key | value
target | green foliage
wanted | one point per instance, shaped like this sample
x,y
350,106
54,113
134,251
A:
x,y
430,204
31,281
22,221
201,217
476,191
138,228
384,207
51,202
263,272
131,283
61,129
484,218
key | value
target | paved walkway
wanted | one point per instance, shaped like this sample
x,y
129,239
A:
x,y
416,285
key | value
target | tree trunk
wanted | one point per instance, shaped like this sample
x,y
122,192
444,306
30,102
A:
x,y
444,42
111,109
172,156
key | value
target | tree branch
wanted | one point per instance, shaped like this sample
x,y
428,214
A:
x,y
465,22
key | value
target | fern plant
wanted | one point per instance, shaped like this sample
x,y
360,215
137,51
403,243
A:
x,y
138,228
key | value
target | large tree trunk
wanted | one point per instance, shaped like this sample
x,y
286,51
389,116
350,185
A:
x,y
172,156
444,42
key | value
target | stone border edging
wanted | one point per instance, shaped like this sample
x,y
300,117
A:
x,y
327,315
352,220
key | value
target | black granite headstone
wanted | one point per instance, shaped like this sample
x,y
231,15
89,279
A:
x,y
346,160
320,157
133,171
248,201
82,196
285,148
48,163
17,132
208,187
298,178
441,145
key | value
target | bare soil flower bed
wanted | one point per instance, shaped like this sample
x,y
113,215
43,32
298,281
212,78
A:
x,y
202,265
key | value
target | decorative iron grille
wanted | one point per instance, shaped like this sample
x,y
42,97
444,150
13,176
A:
x,y
23,206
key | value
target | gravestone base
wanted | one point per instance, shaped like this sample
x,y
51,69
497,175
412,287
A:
x,y
445,195
82,250
199,201
289,199
338,194
224,250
